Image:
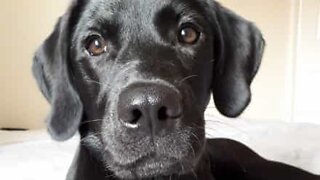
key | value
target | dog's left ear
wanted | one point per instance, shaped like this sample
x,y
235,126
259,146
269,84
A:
x,y
239,48
51,69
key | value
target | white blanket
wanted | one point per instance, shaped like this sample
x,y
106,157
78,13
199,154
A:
x,y
32,155
291,143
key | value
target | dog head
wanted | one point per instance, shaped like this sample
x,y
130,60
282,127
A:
x,y
135,77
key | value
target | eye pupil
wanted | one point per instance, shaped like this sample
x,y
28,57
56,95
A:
x,y
96,46
188,35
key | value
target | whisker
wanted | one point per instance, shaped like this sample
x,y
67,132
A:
x,y
97,82
194,174
89,136
197,139
186,78
182,167
94,81
206,131
90,121
193,152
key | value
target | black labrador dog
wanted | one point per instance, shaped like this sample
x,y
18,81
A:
x,y
134,77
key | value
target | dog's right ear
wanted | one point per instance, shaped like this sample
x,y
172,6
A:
x,y
239,46
52,72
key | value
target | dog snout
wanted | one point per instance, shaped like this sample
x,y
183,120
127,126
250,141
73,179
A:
x,y
153,106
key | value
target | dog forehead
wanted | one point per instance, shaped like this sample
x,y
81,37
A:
x,y
127,9
144,11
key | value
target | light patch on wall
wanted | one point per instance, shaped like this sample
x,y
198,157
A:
x,y
318,32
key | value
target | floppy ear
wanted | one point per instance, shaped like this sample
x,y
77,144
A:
x,y
51,70
239,48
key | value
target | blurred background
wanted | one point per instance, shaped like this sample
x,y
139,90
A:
x,y
286,88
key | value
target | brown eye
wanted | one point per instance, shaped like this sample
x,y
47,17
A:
x,y
96,45
188,35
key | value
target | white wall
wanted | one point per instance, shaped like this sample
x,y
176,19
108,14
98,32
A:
x,y
23,26
307,65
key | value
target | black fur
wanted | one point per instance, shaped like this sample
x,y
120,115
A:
x,y
142,50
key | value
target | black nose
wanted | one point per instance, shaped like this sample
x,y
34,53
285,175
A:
x,y
150,105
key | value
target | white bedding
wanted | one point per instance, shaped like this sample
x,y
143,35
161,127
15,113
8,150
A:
x,y
32,155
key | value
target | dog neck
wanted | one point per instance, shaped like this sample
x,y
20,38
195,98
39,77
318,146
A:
x,y
85,167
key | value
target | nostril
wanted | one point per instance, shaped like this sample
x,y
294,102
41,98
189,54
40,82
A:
x,y
136,115
165,113
162,113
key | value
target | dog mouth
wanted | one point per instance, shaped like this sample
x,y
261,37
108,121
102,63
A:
x,y
154,164
158,160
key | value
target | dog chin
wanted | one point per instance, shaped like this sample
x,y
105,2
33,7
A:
x,y
154,167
